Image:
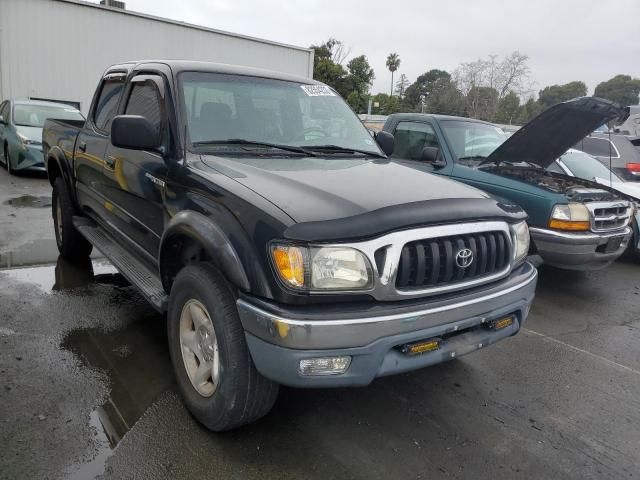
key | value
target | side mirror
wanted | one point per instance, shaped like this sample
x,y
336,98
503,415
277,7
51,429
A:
x,y
385,141
134,132
432,155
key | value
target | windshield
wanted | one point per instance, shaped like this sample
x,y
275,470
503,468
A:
x,y
585,166
26,115
472,139
223,107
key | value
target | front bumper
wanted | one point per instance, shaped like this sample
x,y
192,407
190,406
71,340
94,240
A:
x,y
579,251
30,158
279,338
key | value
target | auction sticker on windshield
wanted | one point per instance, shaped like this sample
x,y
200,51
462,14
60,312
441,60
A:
x,y
317,90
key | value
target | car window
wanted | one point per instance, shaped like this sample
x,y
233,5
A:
x,y
34,115
599,147
555,168
4,111
145,101
107,103
472,139
587,167
411,138
221,107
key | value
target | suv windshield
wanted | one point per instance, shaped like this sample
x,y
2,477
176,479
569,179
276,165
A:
x,y
472,139
587,167
26,115
256,110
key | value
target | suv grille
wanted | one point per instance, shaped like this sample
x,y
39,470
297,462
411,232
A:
x,y
610,217
432,262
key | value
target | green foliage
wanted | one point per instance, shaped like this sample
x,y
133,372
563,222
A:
x,y
401,85
352,83
481,103
507,110
423,86
387,104
554,94
445,98
621,89
527,111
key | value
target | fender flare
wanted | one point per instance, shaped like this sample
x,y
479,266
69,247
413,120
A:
x,y
56,155
214,241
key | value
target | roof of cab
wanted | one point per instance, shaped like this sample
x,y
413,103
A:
x,y
178,66
420,116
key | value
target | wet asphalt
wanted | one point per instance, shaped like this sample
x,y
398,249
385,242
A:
x,y
86,388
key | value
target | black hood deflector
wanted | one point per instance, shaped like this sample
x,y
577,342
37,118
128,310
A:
x,y
554,131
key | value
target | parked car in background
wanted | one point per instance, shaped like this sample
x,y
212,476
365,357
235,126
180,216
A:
x,y
618,149
255,209
575,223
21,123
631,126
582,165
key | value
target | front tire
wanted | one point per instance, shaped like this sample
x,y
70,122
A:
x,y
71,244
7,160
214,370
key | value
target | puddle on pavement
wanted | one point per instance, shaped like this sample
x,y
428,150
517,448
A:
x,y
29,201
136,360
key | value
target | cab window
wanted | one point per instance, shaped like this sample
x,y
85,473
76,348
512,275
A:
x,y
144,100
107,103
411,138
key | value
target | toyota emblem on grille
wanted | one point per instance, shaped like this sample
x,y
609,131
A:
x,y
464,258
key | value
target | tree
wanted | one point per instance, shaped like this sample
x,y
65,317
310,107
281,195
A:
x,y
386,104
393,63
422,88
554,94
327,66
401,85
528,111
359,82
444,98
482,103
621,89
509,74
507,108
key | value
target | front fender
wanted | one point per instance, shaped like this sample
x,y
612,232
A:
x,y
212,239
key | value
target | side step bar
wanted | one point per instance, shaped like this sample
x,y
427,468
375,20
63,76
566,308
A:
x,y
135,271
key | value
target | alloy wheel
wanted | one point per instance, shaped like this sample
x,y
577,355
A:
x,y
199,346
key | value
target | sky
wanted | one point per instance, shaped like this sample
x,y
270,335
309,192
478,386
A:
x,y
565,40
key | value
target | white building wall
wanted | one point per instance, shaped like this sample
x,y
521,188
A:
x,y
57,49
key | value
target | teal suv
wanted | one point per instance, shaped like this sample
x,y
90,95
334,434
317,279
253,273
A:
x,y
574,223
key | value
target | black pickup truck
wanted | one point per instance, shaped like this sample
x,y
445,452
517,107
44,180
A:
x,y
284,246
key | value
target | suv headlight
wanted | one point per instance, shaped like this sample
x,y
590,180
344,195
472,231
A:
x,y
573,217
319,268
520,234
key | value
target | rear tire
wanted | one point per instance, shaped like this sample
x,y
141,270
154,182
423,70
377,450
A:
x,y
230,392
71,244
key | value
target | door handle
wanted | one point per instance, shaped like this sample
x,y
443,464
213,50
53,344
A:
x,y
110,161
82,146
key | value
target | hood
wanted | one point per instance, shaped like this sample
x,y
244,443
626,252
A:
x,y
555,130
316,188
631,189
32,133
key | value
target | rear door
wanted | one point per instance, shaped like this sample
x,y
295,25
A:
x,y
135,179
89,159
4,129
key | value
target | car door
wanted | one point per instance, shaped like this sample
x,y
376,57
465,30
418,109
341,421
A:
x,y
410,139
89,153
4,129
135,178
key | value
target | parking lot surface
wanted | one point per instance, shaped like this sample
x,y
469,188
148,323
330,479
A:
x,y
87,388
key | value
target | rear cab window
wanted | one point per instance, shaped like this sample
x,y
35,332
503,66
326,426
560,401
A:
x,y
107,102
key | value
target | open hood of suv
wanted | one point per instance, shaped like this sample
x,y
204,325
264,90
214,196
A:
x,y
554,131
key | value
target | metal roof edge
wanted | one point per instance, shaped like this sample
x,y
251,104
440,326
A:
x,y
183,24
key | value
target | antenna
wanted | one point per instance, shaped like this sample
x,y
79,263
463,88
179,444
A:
x,y
610,148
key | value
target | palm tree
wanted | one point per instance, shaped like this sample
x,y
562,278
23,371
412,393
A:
x,y
393,63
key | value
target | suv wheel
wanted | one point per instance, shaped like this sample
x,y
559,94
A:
x,y
215,373
71,244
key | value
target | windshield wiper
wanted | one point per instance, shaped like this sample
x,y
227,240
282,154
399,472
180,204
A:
x,y
242,141
339,149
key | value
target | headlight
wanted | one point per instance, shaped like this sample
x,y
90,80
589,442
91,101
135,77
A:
x,y
573,217
520,233
322,268
27,141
